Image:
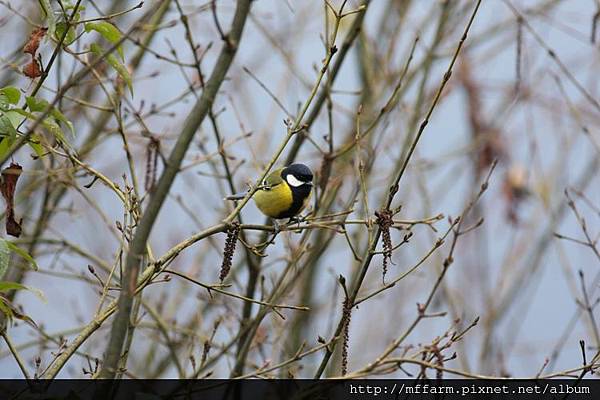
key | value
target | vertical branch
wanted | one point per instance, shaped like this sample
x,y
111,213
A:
x,y
54,194
251,260
15,354
138,244
299,125
394,189
354,30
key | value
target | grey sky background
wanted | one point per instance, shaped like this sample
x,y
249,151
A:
x,y
541,136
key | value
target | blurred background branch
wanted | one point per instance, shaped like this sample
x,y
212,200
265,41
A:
x,y
125,124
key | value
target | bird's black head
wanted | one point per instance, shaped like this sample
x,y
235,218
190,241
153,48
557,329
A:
x,y
297,175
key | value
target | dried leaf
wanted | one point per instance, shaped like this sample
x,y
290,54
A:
x,y
8,185
32,45
33,69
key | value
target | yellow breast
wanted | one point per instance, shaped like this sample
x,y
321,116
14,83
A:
x,y
274,201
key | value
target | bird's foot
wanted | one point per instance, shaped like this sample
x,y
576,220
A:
x,y
276,228
297,220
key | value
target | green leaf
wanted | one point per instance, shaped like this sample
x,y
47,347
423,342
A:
x,y
56,131
6,286
108,32
11,93
35,143
8,134
15,118
115,63
4,258
7,130
22,253
11,312
24,113
49,15
41,105
61,117
36,105
4,146
60,31
5,309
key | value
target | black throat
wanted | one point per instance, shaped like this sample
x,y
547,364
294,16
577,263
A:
x,y
299,196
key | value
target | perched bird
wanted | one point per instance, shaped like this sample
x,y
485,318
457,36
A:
x,y
284,193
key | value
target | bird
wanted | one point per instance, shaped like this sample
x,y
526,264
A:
x,y
284,193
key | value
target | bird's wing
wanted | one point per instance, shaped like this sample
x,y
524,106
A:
x,y
274,178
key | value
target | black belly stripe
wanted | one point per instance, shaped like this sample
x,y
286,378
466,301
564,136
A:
x,y
299,194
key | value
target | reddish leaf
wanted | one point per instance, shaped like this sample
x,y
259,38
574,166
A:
x,y
8,185
33,43
32,70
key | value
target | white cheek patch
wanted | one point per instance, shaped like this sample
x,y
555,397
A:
x,y
293,181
